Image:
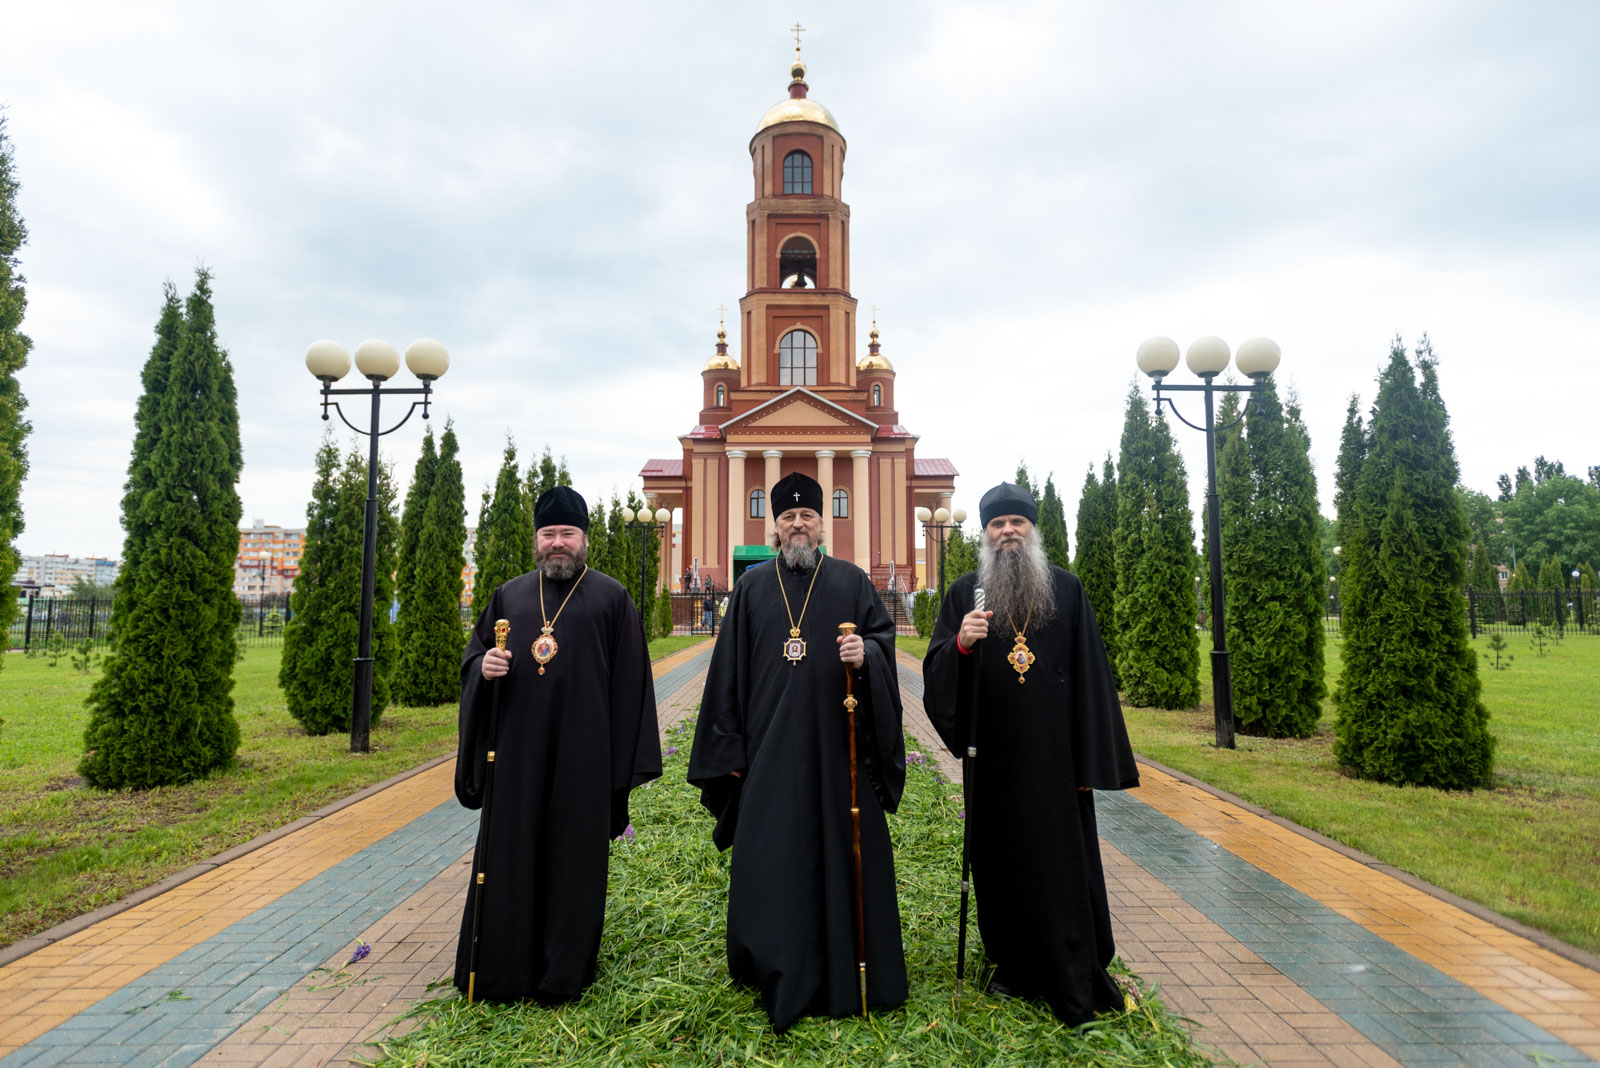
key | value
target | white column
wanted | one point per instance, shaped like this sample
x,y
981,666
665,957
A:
x,y
737,508
861,490
825,477
772,456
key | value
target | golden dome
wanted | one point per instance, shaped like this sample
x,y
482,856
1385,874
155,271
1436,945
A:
x,y
876,362
720,360
797,110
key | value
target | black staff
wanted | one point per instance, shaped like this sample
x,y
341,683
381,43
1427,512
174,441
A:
x,y
848,629
502,629
969,772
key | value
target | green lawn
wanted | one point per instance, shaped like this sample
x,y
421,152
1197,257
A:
x,y
66,849
1529,848
663,996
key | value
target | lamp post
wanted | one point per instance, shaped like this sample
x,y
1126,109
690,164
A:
x,y
265,558
378,361
647,524
1208,358
940,520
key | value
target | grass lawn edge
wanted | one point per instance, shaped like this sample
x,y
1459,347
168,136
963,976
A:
x,y
33,943
1544,941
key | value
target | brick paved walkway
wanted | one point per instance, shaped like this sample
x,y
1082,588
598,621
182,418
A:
x,y
1281,946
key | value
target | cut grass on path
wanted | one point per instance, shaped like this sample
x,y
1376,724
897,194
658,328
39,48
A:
x,y
663,996
1528,849
66,849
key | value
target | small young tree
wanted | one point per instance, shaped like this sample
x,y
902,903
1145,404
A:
x,y
1053,525
318,635
663,616
1097,559
14,346
1408,697
162,712
1158,653
428,666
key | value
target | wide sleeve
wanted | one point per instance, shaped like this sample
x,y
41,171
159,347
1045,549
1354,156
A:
x,y
1100,745
948,674
475,729
635,735
719,735
879,730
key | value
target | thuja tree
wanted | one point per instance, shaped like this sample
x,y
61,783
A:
x,y
1408,697
14,346
428,632
505,534
1273,573
1053,525
544,474
412,516
317,673
1158,654
162,713
1096,565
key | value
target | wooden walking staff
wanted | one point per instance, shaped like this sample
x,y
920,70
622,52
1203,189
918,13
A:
x,y
848,629
502,630
969,772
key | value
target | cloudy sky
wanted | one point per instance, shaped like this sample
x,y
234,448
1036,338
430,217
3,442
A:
x,y
556,191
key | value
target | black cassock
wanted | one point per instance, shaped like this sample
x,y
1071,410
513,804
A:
x,y
1041,891
573,742
791,894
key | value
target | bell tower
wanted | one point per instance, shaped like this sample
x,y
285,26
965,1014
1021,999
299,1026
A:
x,y
797,319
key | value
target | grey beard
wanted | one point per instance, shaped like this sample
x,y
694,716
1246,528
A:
x,y
561,568
800,557
1017,583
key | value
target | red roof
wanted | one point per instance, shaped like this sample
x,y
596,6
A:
x,y
936,467
706,431
662,469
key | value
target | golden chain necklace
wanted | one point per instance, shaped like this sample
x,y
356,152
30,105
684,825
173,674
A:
x,y
794,647
1020,657
544,646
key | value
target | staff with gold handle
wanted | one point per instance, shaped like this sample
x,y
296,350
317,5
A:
x,y
969,787
847,629
480,857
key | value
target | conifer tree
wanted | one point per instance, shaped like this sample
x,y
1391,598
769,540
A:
x,y
1273,573
506,534
428,649
544,474
162,712
14,346
1158,654
1408,697
320,643
480,546
1053,525
1024,480
1097,559
412,517
1481,576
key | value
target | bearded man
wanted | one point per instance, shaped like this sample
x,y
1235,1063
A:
x,y
1049,731
772,760
577,731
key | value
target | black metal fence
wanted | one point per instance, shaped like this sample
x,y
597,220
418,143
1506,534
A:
x,y
67,621
1516,612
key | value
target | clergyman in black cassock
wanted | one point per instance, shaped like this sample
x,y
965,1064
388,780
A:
x,y
1043,744
573,741
771,758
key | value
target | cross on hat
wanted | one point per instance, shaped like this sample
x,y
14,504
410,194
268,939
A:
x,y
797,496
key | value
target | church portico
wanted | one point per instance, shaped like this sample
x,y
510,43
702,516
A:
x,y
800,400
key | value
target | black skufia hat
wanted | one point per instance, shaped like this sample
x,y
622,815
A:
x,y
561,506
795,490
1007,499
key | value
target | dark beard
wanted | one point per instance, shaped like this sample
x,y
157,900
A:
x,y
560,568
1017,583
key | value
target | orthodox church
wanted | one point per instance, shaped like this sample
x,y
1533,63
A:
x,y
799,400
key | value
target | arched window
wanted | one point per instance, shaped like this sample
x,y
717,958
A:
x,y
841,504
797,264
797,359
877,396
722,396
758,504
797,173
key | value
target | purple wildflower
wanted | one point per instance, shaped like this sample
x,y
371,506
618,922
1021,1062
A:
x,y
671,749
938,778
626,835
961,815
362,949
